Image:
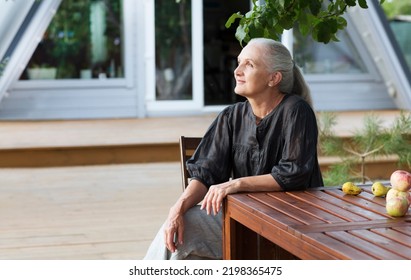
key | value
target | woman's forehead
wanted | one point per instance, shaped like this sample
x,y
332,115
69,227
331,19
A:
x,y
252,51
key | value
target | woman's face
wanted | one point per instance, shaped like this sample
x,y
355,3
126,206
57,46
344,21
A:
x,y
251,74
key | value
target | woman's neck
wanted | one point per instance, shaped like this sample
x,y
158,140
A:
x,y
262,108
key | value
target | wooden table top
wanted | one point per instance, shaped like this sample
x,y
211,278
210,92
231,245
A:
x,y
324,223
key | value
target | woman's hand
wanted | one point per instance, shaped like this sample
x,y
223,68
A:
x,y
215,195
174,225
173,230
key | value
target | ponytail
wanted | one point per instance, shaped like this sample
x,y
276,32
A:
x,y
300,86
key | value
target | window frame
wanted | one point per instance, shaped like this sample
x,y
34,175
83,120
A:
x,y
166,107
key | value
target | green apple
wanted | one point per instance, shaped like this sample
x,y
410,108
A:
x,y
379,189
397,206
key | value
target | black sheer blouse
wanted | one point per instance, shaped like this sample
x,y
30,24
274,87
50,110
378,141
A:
x,y
283,144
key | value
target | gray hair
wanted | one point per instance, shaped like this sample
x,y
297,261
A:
x,y
278,59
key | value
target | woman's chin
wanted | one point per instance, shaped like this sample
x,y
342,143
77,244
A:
x,y
238,91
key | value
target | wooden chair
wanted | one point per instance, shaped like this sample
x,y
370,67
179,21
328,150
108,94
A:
x,y
188,145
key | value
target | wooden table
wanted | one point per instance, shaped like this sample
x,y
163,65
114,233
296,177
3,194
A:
x,y
321,223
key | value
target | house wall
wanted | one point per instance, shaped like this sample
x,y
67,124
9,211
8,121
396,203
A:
x,y
127,98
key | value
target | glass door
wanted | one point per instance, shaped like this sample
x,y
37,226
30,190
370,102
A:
x,y
221,49
173,50
173,56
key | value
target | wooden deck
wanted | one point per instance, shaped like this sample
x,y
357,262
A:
x,y
88,208
88,212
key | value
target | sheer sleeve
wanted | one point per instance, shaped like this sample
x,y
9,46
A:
x,y
299,154
211,164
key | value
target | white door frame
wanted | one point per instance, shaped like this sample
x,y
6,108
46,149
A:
x,y
167,107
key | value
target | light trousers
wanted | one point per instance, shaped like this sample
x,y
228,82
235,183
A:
x,y
202,238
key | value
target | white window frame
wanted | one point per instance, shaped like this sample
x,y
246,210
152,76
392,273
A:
x,y
126,81
167,107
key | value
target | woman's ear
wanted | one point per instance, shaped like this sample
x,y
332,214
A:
x,y
275,79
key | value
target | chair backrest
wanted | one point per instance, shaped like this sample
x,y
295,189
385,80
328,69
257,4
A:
x,y
188,145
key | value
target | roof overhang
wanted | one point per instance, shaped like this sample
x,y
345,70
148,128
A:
x,y
22,25
379,40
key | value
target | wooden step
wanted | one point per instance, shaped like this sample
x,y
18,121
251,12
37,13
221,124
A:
x,y
89,155
91,142
380,167
118,141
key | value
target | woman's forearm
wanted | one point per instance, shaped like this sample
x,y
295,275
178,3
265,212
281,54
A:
x,y
257,183
191,196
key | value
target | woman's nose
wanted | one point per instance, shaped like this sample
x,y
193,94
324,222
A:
x,y
237,71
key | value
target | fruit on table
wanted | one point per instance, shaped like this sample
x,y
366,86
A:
x,y
397,206
351,188
401,180
379,189
392,193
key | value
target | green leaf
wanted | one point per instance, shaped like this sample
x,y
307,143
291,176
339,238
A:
x,y
315,7
273,32
351,3
324,32
333,25
255,32
272,21
286,23
342,22
303,24
363,4
249,14
334,38
304,4
232,19
258,24
241,34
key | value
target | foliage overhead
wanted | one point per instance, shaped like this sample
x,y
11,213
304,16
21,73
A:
x,y
320,18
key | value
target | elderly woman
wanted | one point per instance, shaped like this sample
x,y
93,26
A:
x,y
267,143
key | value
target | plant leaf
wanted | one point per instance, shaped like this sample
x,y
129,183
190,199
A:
x,y
363,4
232,19
241,34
